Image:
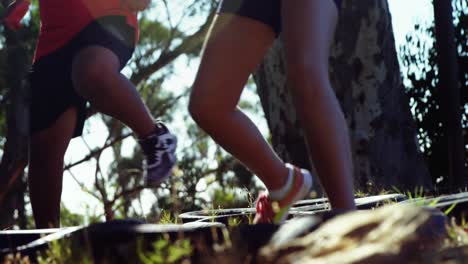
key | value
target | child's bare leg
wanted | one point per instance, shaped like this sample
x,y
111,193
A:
x,y
234,48
97,78
46,169
308,28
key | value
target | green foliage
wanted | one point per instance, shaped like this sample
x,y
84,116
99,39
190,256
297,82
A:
x,y
16,51
418,57
360,193
419,198
67,218
166,217
16,259
61,252
228,198
118,189
450,209
458,232
27,39
464,222
154,33
234,221
164,251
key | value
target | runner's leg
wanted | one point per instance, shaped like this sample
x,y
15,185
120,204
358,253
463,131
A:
x,y
308,29
46,168
97,78
234,48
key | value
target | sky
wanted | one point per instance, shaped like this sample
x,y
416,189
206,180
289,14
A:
x,y
405,14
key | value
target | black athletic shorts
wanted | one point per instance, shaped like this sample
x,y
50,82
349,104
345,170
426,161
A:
x,y
265,11
51,85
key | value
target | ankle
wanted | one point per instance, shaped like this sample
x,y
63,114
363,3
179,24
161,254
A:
x,y
154,130
278,194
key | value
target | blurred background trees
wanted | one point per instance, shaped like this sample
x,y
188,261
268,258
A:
x,y
420,73
171,33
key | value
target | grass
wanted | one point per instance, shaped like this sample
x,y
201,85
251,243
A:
x,y
167,217
251,201
164,251
419,198
455,248
60,252
234,221
180,251
213,212
16,259
458,233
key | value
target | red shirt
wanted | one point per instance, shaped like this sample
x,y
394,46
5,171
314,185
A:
x,y
61,20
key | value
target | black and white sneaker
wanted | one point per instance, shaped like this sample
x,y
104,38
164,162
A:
x,y
159,149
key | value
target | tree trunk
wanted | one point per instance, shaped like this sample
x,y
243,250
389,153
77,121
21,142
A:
x,y
365,74
15,154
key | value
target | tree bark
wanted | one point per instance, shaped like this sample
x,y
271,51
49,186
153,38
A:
x,y
16,151
450,98
366,77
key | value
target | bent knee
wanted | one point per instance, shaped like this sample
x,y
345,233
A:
x,y
308,79
205,111
199,110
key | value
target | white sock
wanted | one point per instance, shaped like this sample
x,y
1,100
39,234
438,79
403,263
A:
x,y
279,194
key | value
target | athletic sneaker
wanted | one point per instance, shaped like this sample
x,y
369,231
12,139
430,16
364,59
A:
x,y
269,211
159,149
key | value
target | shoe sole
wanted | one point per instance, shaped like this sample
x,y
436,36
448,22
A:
x,y
155,184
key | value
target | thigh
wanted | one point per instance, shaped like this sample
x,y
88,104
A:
x,y
52,92
109,32
234,47
105,44
265,11
91,63
308,30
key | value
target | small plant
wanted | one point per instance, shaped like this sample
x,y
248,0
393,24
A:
x,y
213,212
450,209
60,252
16,259
251,200
384,192
166,252
167,217
359,194
234,221
417,197
464,222
458,233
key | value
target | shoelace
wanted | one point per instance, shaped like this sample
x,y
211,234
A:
x,y
160,148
